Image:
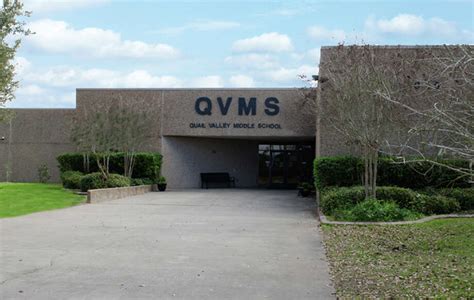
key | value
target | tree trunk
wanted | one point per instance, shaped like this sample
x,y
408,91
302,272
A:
x,y
129,159
374,179
366,172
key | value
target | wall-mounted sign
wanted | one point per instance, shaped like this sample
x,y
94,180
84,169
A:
x,y
236,125
204,106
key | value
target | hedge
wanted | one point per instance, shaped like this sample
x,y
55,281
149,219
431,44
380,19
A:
x,y
71,179
93,181
337,171
147,164
348,197
97,181
348,171
465,197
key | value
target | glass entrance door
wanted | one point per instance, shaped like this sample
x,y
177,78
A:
x,y
284,166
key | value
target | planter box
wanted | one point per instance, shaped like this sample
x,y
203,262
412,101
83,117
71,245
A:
x,y
100,195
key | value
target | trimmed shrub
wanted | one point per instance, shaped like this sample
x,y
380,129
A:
x,y
341,198
71,179
346,198
337,171
348,171
116,180
465,196
372,210
403,197
147,164
93,181
421,174
72,162
437,204
141,181
97,181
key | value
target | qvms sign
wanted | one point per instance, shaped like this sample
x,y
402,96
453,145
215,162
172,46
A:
x,y
204,106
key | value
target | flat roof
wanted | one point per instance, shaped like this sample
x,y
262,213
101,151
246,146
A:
x,y
195,89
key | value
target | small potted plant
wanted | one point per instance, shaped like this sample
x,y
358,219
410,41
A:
x,y
161,184
305,189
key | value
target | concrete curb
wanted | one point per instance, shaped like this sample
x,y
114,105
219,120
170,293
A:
x,y
324,220
100,195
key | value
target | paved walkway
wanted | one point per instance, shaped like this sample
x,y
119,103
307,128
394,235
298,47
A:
x,y
192,244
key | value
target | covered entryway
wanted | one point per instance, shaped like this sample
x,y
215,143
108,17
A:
x,y
284,166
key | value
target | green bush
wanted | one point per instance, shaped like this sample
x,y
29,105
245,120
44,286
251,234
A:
x,y
437,204
116,180
43,174
420,175
71,162
161,180
372,210
71,179
141,181
348,171
97,181
465,196
146,165
337,171
341,198
403,197
93,181
345,198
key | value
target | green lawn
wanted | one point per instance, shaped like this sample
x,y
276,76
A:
x,y
429,260
23,198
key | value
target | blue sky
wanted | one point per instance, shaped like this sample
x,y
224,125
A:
x,y
180,44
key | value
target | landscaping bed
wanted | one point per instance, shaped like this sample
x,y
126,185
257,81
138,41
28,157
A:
x,y
393,203
81,170
405,192
24,198
428,260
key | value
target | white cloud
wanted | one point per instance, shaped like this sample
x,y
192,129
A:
x,y
212,81
241,81
142,79
416,26
201,25
59,37
44,6
21,65
404,24
252,61
291,74
267,42
30,90
33,96
323,34
56,87
74,77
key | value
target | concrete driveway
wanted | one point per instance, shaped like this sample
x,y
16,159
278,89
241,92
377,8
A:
x,y
190,244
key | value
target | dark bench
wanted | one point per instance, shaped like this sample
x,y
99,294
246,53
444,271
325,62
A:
x,y
217,178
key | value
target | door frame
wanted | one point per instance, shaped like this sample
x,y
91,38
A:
x,y
298,151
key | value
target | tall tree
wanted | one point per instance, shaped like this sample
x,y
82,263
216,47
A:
x,y
112,126
352,77
440,102
11,29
